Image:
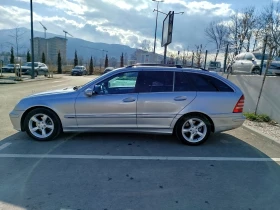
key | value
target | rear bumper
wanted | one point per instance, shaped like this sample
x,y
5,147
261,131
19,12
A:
x,y
227,122
15,117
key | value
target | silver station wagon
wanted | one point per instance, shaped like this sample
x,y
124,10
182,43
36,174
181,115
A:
x,y
189,103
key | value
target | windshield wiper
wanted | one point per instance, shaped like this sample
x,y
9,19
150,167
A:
x,y
76,87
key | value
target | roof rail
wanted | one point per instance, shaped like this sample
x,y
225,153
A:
x,y
155,64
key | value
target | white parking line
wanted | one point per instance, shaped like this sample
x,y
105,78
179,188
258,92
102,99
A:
x,y
110,157
3,146
58,85
56,81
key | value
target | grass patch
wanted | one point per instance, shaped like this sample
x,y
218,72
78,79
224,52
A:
x,y
257,117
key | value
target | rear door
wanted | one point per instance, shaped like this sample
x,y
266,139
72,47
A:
x,y
238,63
158,103
247,63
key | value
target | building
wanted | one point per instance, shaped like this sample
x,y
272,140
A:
x,y
147,57
50,47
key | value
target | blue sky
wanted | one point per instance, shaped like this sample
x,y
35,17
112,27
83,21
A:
x,y
122,21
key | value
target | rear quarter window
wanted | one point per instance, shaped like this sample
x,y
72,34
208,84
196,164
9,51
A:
x,y
205,83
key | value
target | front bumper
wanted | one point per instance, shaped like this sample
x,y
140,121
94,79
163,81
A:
x,y
15,117
76,72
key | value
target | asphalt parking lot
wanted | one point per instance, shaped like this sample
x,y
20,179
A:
x,y
232,170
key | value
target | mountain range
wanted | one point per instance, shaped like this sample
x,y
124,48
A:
x,y
84,48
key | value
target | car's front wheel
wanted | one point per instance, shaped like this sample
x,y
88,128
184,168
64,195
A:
x,y
193,129
42,124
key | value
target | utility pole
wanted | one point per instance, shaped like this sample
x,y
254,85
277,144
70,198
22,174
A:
x,y
155,41
263,53
225,61
32,45
206,52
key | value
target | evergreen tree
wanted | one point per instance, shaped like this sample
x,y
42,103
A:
x,y
106,61
76,59
28,56
43,58
59,67
91,66
122,61
12,58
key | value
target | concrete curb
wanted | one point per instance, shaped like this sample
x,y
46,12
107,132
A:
x,y
24,81
266,137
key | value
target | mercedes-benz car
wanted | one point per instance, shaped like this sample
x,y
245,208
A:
x,y
11,68
250,63
39,69
189,103
79,70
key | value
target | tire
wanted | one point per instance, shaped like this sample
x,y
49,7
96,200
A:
x,y
255,71
191,136
50,124
35,74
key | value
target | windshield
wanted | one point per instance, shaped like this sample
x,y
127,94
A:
x,y
30,64
259,56
78,67
10,65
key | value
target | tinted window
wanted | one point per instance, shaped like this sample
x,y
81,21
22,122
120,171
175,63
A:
x,y
259,56
155,81
205,83
239,57
119,84
248,56
182,82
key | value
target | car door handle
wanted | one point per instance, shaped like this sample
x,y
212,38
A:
x,y
129,100
180,98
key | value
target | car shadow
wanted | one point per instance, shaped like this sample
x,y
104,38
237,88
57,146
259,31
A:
x,y
42,183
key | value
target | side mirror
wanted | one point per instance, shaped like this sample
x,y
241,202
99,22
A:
x,y
97,89
89,92
253,59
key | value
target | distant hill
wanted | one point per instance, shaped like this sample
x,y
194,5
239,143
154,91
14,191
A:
x,y
82,46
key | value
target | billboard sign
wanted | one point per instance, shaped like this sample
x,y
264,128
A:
x,y
167,29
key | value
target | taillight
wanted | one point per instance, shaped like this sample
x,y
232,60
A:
x,y
239,106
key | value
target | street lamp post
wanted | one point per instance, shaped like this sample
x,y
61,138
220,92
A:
x,y
165,47
158,1
32,46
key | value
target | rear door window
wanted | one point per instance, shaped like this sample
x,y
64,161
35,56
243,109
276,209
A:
x,y
154,81
205,83
248,56
182,82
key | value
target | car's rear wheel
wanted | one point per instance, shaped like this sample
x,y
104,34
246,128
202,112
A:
x,y
256,71
193,129
42,124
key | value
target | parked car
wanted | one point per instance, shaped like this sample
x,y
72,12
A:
x,y
250,63
147,99
79,70
108,69
39,69
10,68
214,66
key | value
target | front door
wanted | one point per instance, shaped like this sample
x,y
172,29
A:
x,y
159,101
113,107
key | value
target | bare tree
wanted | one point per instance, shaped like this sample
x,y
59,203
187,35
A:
x,y
146,45
271,28
198,56
17,36
241,28
217,33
